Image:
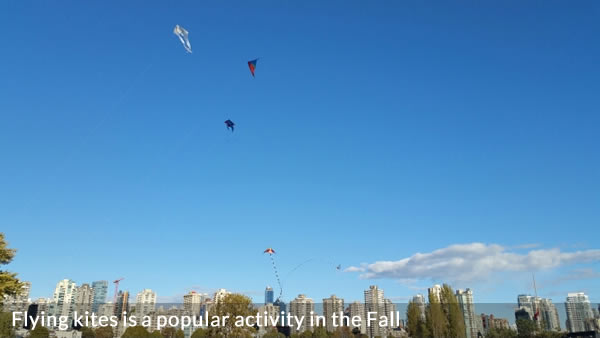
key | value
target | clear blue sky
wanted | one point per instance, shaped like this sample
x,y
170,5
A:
x,y
372,131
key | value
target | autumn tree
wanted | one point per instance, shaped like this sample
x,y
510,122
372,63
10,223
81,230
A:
x,y
357,334
454,316
168,332
39,332
415,322
320,332
9,283
437,323
525,328
87,332
501,333
343,332
306,334
156,334
136,332
233,305
104,332
549,334
6,327
200,333
273,333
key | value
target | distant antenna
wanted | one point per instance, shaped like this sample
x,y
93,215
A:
x,y
535,302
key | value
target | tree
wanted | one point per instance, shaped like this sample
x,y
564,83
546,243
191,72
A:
x,y
343,332
180,334
319,332
87,332
156,334
200,333
525,328
136,332
549,334
357,334
233,305
104,332
413,319
306,334
437,323
454,316
6,328
501,333
39,332
9,283
168,332
415,323
273,333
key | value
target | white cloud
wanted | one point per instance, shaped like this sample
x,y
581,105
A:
x,y
354,269
468,262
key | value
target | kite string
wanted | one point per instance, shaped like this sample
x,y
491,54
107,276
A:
x,y
277,275
306,262
299,266
78,147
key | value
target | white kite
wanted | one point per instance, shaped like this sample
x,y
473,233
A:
x,y
182,34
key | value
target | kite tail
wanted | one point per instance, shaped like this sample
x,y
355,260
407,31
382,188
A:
x,y
277,275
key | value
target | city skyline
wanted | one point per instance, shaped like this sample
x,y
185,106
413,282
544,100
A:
x,y
268,293
554,317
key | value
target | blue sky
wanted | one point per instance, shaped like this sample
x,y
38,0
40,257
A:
x,y
372,131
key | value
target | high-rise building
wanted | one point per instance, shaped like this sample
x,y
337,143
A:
x,y
220,295
145,302
192,302
19,302
541,310
529,304
122,305
282,308
490,322
357,309
579,310
522,313
302,307
549,315
419,300
64,298
24,294
332,305
465,301
272,313
106,309
100,291
390,310
269,295
435,292
375,304
85,299
43,305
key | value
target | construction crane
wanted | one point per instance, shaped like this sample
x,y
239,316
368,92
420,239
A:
x,y
116,282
